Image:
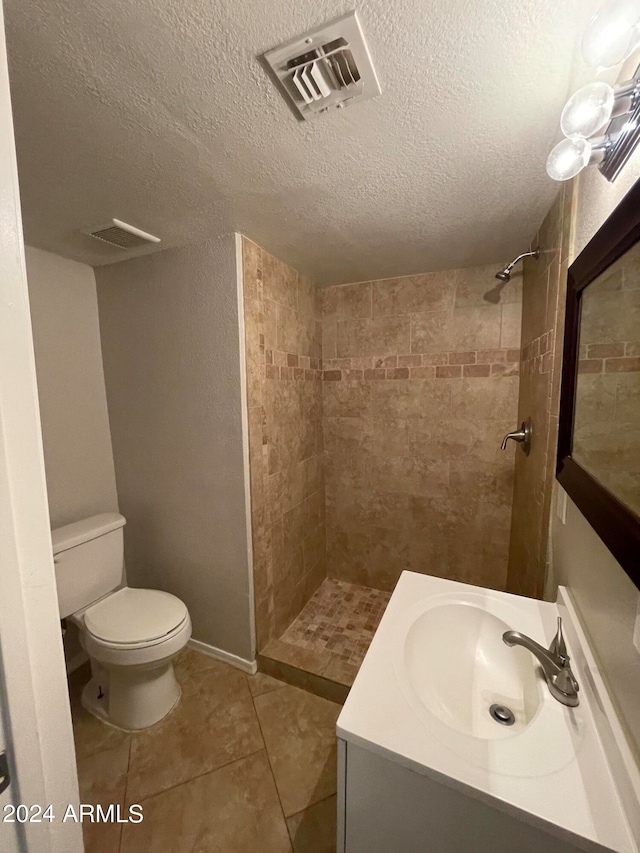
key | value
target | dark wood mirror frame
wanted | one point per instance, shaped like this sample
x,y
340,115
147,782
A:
x,y
617,526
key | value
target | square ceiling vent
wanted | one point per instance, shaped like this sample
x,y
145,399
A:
x,y
327,68
121,234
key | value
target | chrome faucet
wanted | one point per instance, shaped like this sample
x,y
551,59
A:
x,y
554,662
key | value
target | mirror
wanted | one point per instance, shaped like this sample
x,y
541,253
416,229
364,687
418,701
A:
x,y
599,427
606,433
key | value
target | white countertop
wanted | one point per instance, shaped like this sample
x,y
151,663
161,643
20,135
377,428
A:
x,y
566,785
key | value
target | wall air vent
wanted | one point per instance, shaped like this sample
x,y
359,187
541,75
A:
x,y
326,68
121,234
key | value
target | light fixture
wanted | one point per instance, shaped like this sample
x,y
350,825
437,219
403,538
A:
x,y
612,34
588,111
568,158
614,114
572,155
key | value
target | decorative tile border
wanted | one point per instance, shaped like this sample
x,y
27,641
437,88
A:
x,y
619,357
441,365
537,356
287,365
289,359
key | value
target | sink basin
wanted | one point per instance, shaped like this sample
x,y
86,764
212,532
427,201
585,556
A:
x,y
458,667
453,667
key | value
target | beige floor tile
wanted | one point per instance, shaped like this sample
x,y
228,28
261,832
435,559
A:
x,y
102,779
299,732
214,724
231,810
314,829
262,683
190,665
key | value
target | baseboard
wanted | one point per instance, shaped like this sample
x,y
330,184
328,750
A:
x,y
249,666
76,661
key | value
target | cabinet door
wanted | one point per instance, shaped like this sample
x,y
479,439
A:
x,y
391,809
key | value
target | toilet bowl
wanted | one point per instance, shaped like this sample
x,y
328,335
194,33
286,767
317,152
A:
x,y
130,635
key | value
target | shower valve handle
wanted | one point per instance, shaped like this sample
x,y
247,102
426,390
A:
x,y
522,436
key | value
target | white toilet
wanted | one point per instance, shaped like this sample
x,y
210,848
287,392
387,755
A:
x,y
130,635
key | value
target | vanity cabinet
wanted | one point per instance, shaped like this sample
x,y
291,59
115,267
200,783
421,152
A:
x,y
426,767
384,807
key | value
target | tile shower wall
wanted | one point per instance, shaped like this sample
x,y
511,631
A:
x,y
283,334
544,294
420,386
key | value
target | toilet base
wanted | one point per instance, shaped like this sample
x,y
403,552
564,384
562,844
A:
x,y
132,697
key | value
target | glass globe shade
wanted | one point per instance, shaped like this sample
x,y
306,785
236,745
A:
x,y
588,110
568,158
612,34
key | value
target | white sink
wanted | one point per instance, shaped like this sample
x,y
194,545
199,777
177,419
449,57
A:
x,y
423,695
452,666
456,665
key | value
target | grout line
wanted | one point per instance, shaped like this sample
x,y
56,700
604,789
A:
x,y
311,805
273,775
100,751
200,775
273,689
126,786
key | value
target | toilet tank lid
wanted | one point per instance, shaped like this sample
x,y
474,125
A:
x,y
64,538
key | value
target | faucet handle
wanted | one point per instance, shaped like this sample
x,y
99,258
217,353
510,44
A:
x,y
522,436
558,646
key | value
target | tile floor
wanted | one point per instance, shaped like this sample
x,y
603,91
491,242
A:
x,y
332,633
245,764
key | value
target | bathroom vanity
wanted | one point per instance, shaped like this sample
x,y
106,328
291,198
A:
x,y
424,764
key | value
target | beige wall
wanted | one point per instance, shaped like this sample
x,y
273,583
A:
x,y
284,390
420,387
606,599
171,347
73,407
543,309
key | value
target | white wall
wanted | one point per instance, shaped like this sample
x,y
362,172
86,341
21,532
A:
x,y
73,406
171,346
605,597
33,692
608,603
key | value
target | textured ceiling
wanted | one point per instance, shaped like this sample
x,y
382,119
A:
x,y
157,112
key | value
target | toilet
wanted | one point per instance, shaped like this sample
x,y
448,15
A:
x,y
130,635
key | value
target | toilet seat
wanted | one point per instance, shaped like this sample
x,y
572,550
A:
x,y
135,618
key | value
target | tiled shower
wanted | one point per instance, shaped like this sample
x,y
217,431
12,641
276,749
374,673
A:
x,y
376,412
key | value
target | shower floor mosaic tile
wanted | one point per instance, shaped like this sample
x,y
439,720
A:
x,y
341,619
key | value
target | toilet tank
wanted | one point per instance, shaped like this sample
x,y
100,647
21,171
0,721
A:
x,y
88,559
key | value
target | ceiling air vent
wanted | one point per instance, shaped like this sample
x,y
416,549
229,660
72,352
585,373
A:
x,y
325,68
121,234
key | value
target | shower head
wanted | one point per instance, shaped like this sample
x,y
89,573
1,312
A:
x,y
505,274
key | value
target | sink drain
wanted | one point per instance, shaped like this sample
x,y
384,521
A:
x,y
503,715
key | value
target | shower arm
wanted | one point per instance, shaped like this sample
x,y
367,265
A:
x,y
534,254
